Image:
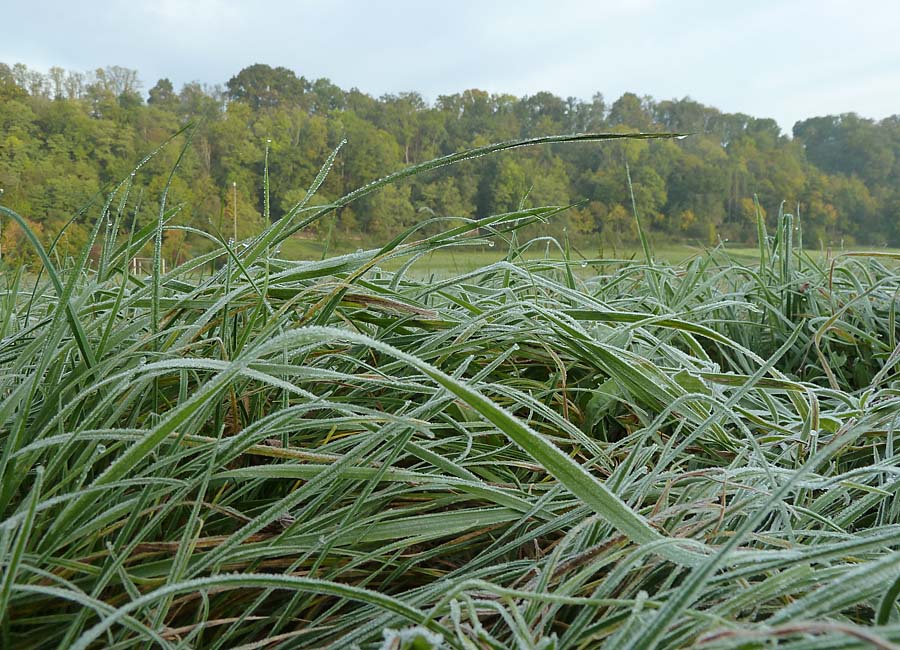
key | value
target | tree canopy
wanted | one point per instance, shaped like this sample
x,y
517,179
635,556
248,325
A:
x,y
66,136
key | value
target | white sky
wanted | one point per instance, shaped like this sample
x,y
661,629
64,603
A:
x,y
787,59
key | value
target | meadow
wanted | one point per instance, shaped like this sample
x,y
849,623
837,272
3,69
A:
x,y
537,450
445,262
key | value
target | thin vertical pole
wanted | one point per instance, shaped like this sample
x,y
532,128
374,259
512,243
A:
x,y
234,206
1,232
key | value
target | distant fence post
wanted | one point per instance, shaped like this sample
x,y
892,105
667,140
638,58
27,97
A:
x,y
137,264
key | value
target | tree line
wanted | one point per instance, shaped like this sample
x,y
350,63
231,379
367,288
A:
x,y
66,137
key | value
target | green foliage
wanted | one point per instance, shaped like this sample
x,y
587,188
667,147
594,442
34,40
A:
x,y
262,86
66,137
545,452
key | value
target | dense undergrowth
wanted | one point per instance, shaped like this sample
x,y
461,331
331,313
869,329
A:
x,y
557,453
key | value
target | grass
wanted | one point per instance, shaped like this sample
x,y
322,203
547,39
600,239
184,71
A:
x,y
530,453
448,261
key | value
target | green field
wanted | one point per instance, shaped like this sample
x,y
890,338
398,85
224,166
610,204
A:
x,y
463,259
698,449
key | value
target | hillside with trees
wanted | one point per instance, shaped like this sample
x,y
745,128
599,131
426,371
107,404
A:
x,y
67,137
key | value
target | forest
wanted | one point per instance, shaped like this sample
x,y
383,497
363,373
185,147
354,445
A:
x,y
67,137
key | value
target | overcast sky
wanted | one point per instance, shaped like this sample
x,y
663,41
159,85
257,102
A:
x,y
769,58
